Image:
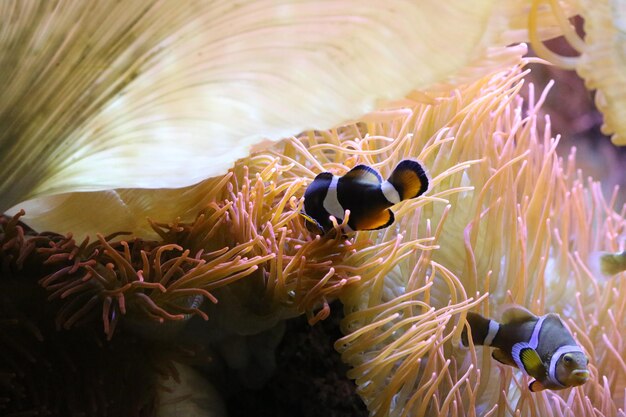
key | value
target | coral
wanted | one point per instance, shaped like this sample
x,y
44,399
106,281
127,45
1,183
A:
x,y
310,379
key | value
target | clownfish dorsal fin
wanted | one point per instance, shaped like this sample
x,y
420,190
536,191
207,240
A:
x,y
532,362
363,173
517,314
555,316
536,386
409,179
500,356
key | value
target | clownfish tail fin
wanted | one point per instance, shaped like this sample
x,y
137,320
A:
x,y
609,264
409,179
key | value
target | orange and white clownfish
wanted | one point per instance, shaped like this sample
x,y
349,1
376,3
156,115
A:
x,y
541,347
362,191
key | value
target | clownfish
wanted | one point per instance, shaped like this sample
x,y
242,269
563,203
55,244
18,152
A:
x,y
541,347
362,191
607,263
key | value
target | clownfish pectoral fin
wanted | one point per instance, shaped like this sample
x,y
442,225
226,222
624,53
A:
x,y
311,224
532,362
363,174
409,179
373,220
500,356
536,386
517,314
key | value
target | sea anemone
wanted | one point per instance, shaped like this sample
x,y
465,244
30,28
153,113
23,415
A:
x,y
104,104
601,60
522,233
505,220
246,263
154,95
45,370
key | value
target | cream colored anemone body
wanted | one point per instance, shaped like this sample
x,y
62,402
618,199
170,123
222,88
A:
x,y
109,97
602,60
514,224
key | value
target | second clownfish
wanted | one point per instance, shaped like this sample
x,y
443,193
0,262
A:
x,y
541,347
362,191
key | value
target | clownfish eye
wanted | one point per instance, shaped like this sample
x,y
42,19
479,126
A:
x,y
568,359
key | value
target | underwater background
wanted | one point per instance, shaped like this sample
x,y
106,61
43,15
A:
x,y
154,259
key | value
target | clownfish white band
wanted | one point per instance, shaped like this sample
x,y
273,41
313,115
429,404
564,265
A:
x,y
517,357
532,344
494,326
534,339
331,202
390,192
555,359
